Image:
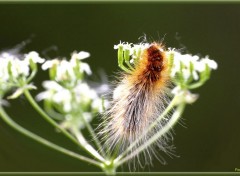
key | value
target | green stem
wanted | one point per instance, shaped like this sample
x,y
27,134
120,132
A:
x,y
196,85
166,111
86,145
155,137
93,134
47,118
52,122
109,168
43,141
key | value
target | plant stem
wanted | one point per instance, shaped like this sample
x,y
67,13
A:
x,y
166,111
43,141
155,137
93,134
46,117
86,145
51,121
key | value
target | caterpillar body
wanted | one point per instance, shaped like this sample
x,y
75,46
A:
x,y
138,99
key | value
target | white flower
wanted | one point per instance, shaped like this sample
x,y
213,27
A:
x,y
134,49
84,67
50,63
81,94
184,96
118,45
206,61
211,63
84,93
57,94
68,70
12,66
51,87
81,55
63,97
65,71
125,46
189,65
19,67
34,56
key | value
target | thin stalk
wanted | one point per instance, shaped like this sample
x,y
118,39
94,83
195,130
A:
x,y
93,134
43,141
47,118
165,112
89,127
155,137
196,85
52,122
86,145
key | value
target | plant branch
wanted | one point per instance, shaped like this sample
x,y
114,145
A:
x,y
52,122
93,134
43,141
47,118
86,145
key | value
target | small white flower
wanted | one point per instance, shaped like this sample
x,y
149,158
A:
x,y
133,49
81,55
49,64
84,67
63,97
84,93
125,46
65,71
183,62
44,96
206,61
52,85
184,96
118,45
51,88
34,56
19,67
57,94
186,74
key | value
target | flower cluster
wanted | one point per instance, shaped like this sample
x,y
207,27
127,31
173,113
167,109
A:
x,y
15,71
188,68
131,52
67,96
187,71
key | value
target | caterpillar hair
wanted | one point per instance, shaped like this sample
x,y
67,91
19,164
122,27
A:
x,y
139,98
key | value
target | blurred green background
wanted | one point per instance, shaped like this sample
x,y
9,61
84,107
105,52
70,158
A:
x,y
211,139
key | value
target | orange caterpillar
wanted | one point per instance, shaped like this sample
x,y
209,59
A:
x,y
139,98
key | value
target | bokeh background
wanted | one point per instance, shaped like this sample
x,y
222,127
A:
x,y
210,140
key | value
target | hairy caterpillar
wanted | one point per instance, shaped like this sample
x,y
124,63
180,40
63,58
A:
x,y
138,99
